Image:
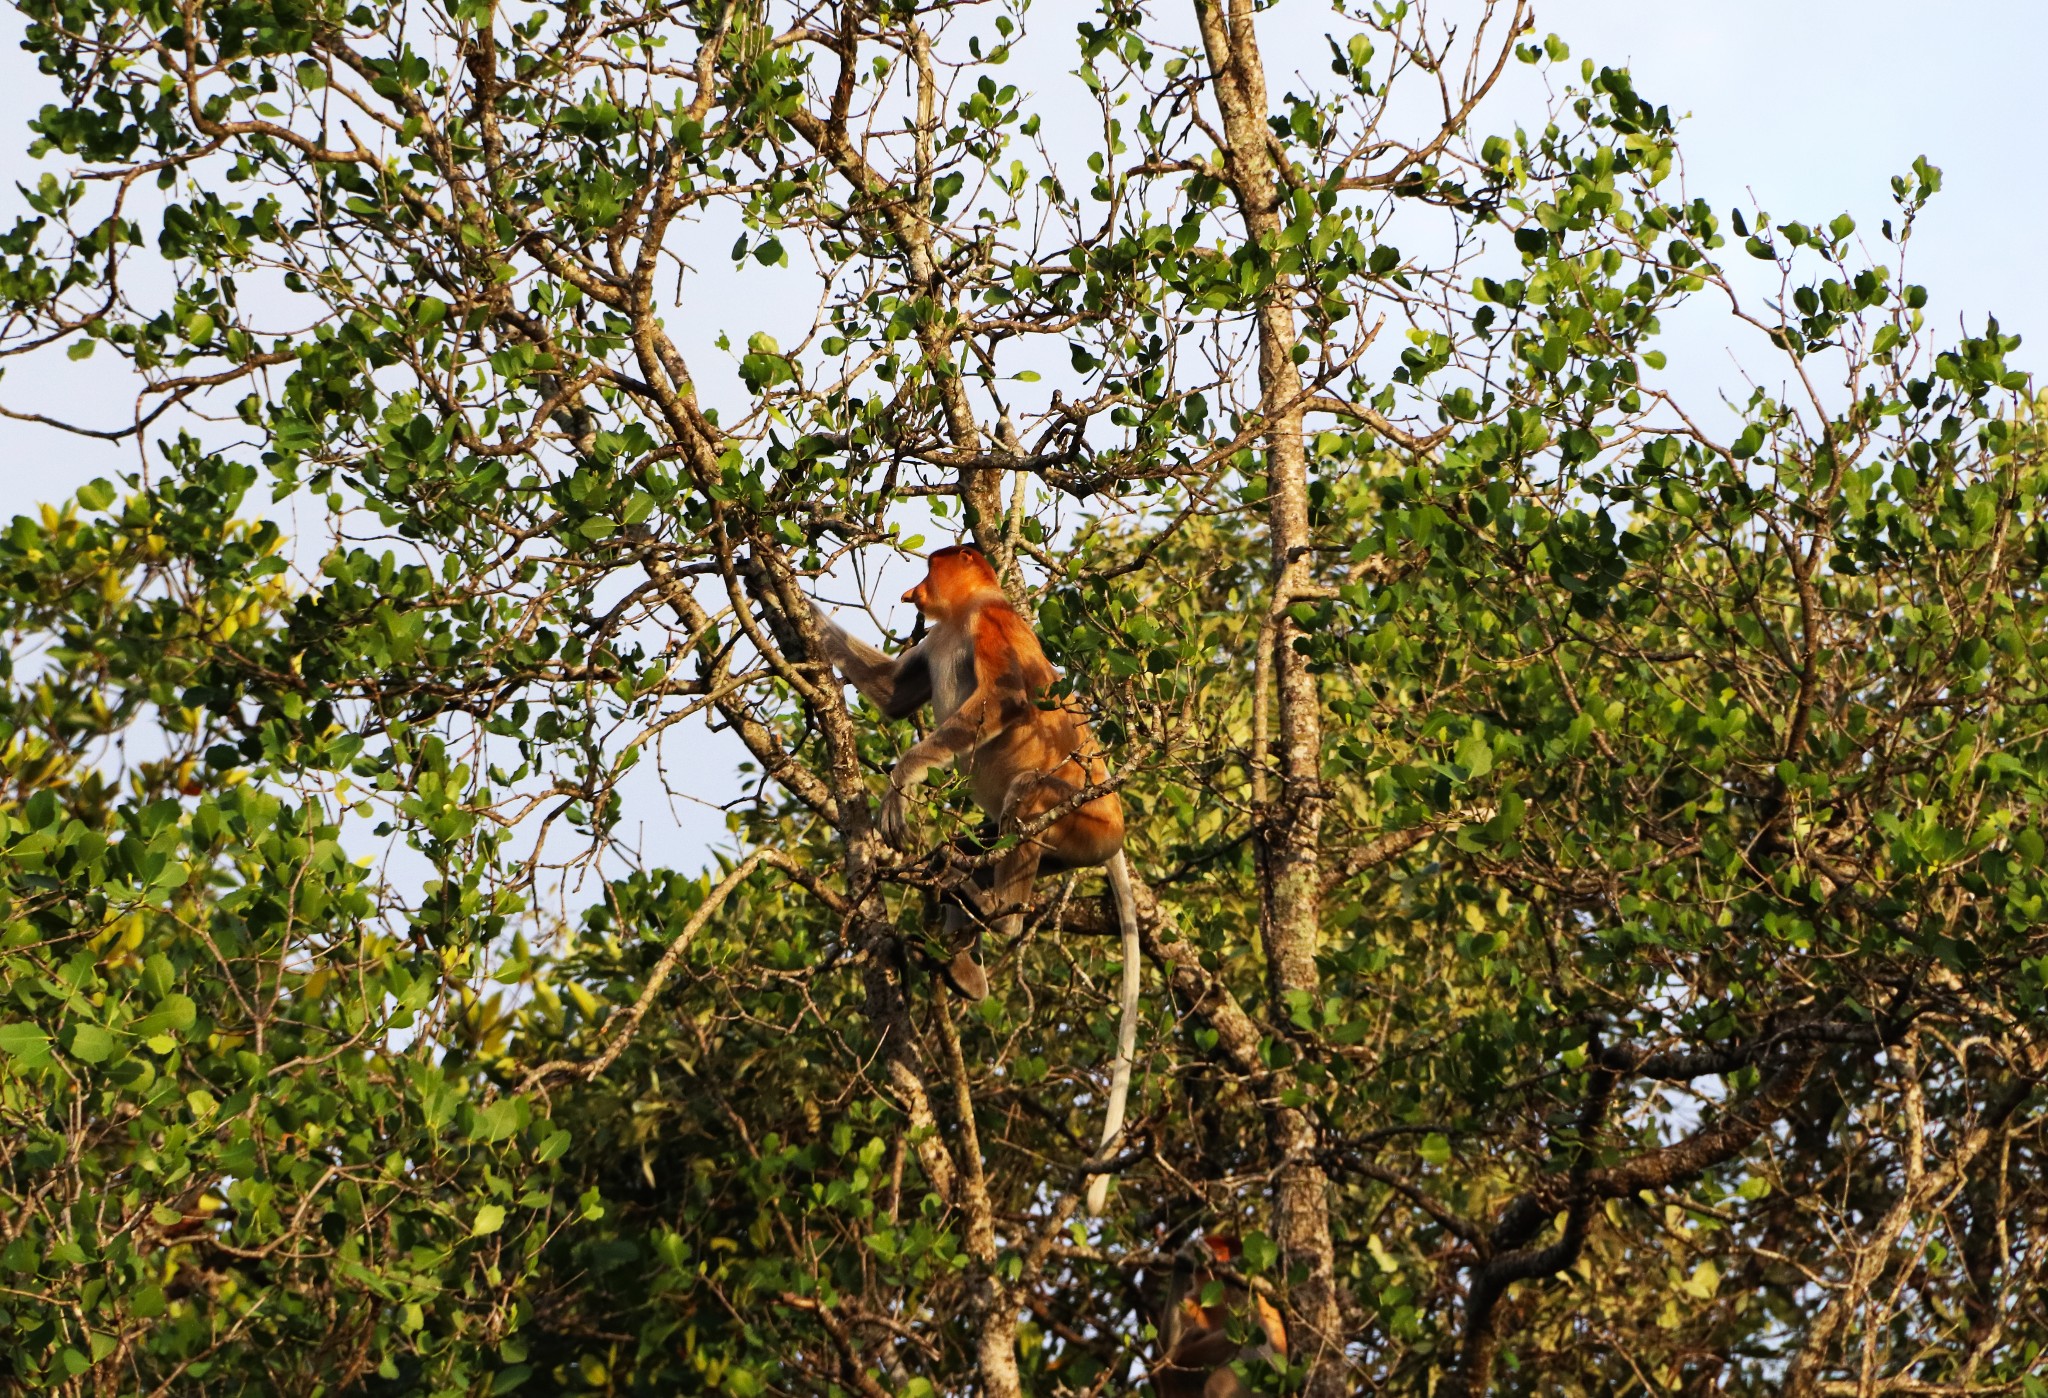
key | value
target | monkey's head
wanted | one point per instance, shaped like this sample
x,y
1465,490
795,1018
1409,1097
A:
x,y
1193,1261
954,577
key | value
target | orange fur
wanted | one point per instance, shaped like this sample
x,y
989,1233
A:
x,y
989,675
1199,1348
986,677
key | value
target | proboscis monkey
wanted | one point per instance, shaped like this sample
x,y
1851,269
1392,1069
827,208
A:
x,y
984,673
1198,1352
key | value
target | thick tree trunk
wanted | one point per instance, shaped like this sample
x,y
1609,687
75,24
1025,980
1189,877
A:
x,y
1289,827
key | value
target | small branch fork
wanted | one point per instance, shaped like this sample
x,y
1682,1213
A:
x,y
620,1033
1509,1250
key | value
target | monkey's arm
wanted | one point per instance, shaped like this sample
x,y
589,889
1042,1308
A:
x,y
1203,1349
1000,701
898,687
967,729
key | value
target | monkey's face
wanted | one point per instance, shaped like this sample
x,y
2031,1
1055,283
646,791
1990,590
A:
x,y
952,578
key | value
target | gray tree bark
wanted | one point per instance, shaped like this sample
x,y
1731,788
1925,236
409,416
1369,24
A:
x,y
1289,827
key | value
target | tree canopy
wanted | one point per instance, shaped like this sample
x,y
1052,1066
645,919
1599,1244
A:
x,y
1591,835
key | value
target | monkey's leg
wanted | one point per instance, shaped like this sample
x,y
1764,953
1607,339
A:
x,y
1030,796
1012,892
1004,893
965,918
963,971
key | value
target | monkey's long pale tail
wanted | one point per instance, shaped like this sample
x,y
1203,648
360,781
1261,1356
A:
x,y
1127,1032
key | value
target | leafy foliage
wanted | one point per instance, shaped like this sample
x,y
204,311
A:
x,y
1595,860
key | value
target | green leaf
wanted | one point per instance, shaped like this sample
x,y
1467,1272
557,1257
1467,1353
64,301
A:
x,y
489,1219
499,1120
174,1011
90,1043
25,1044
1475,755
1260,1252
1436,1149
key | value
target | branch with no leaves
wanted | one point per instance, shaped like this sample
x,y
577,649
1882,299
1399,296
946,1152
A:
x,y
1394,843
1378,422
178,389
842,1342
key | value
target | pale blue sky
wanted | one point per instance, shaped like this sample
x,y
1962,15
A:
x,y
1810,104
1815,104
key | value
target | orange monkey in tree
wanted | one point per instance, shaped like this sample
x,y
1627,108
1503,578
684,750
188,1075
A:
x,y
1198,1351
984,674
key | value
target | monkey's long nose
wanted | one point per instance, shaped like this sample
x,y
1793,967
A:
x,y
911,597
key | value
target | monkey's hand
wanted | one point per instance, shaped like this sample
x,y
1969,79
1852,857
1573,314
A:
x,y
822,617
894,819
895,828
1018,807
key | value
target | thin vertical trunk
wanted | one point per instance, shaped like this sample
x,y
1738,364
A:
x,y
1290,826
980,483
981,487
996,1300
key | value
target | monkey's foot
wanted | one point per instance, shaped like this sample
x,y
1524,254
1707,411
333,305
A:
x,y
965,975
